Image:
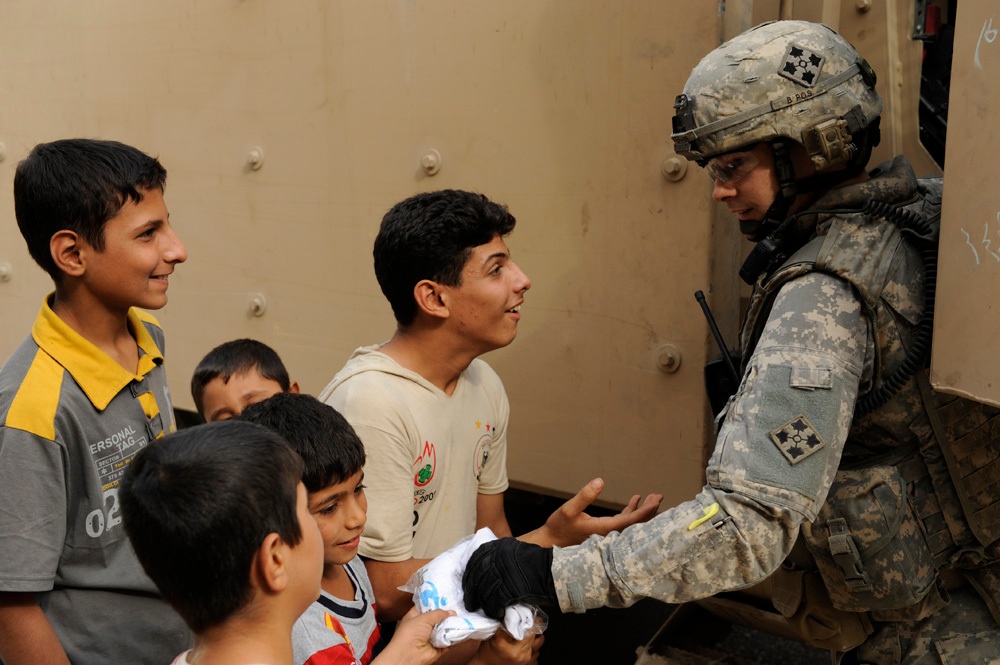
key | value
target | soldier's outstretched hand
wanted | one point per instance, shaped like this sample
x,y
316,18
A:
x,y
570,525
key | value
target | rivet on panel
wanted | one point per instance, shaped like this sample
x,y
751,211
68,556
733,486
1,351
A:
x,y
862,5
255,158
258,304
6,271
668,358
431,162
674,168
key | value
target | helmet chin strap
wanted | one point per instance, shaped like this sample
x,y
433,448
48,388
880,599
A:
x,y
776,234
788,189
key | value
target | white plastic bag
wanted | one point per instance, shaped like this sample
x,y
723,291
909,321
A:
x,y
438,585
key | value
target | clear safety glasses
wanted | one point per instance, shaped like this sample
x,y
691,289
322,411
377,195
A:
x,y
732,167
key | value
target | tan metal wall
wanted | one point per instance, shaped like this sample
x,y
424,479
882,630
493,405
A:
x,y
561,109
969,285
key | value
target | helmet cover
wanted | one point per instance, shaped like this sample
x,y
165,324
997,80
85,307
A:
x,y
791,79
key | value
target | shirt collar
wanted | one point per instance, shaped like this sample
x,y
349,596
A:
x,y
100,377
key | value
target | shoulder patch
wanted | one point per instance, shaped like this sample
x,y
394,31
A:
x,y
797,439
801,66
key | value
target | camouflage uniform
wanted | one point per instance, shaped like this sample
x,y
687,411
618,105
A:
x,y
792,459
815,352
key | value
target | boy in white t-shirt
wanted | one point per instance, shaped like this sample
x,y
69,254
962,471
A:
x,y
431,414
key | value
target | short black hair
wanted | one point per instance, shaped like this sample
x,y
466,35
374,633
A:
x,y
431,236
78,185
238,356
198,504
328,445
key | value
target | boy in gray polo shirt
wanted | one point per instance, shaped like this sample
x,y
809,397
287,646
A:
x,y
78,399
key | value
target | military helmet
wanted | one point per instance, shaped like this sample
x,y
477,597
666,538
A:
x,y
791,79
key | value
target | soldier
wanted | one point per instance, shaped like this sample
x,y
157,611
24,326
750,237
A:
x,y
834,439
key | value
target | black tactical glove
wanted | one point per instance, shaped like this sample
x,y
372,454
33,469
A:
x,y
506,572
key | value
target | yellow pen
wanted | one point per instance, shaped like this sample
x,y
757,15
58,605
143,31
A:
x,y
709,514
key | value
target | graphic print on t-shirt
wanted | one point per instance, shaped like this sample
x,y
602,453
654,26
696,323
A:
x,y
483,447
424,468
112,454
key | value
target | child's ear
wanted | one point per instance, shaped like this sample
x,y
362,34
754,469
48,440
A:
x,y
431,298
65,247
293,387
272,564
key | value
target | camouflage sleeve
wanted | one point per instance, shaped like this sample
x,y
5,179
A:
x,y
774,461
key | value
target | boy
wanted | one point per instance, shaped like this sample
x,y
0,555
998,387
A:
x,y
432,415
219,518
342,621
340,627
78,399
235,374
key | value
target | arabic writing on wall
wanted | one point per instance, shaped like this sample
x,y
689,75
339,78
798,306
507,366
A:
x,y
989,35
989,241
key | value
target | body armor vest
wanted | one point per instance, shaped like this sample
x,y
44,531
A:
x,y
946,449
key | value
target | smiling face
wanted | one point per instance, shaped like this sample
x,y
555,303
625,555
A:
x,y
486,305
341,511
140,252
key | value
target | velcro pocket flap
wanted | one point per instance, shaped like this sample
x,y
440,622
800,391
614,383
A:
x,y
811,378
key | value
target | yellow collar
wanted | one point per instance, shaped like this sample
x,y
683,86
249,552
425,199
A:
x,y
100,377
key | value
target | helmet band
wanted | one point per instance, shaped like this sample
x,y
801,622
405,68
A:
x,y
684,119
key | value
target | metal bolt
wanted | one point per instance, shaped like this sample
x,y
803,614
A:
x,y
255,158
673,168
431,162
862,5
258,304
668,358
